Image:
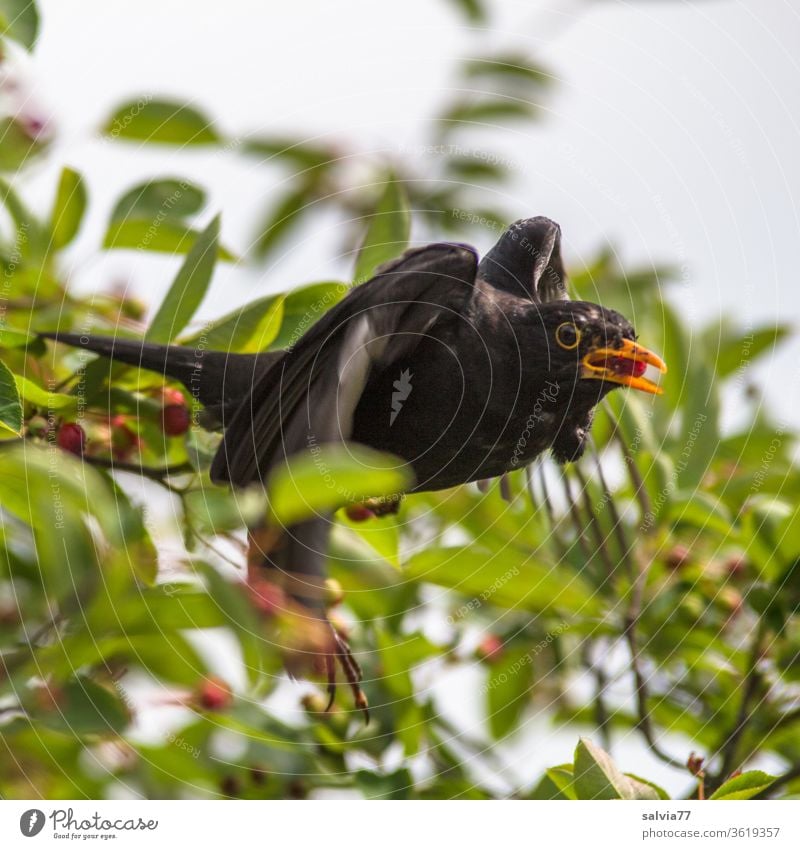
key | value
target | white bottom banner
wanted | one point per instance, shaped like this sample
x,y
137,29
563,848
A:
x,y
386,825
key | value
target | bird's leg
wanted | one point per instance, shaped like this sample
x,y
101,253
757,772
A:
x,y
302,596
351,669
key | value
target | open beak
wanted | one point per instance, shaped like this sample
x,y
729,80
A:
x,y
625,365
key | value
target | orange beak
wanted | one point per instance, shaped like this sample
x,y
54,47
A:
x,y
625,365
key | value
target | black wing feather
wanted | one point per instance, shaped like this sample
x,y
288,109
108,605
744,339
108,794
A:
x,y
300,398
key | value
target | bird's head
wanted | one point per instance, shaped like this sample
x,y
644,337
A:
x,y
586,343
590,347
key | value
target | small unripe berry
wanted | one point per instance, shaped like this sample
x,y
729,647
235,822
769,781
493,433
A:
x,y
313,703
214,694
334,594
71,437
38,426
175,419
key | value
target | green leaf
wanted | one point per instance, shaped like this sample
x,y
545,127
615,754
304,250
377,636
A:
x,y
508,689
84,707
18,211
473,10
505,577
469,169
738,352
19,19
744,786
303,155
18,146
10,403
284,216
248,329
160,200
160,122
164,237
303,307
561,777
32,394
487,112
382,536
10,337
696,443
701,510
660,791
212,510
387,233
514,67
328,476
597,777
188,289
69,208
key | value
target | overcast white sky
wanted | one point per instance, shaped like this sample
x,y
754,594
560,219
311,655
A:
x,y
674,132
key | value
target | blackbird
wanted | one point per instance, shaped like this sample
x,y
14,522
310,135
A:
x,y
465,370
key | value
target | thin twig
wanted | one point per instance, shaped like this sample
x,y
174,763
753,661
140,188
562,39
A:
x,y
601,714
576,519
546,502
640,491
594,524
729,747
644,723
618,527
149,472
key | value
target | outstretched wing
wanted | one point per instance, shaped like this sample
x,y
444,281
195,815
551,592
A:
x,y
309,397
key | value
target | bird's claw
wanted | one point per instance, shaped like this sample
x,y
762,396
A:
x,y
352,671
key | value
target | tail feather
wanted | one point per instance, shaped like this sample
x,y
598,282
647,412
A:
x,y
218,379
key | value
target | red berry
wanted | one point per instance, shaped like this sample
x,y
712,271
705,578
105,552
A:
x,y
175,419
71,437
230,787
123,439
678,557
173,396
358,513
214,694
736,565
490,648
267,597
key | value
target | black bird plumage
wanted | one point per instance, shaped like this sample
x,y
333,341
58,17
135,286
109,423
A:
x,y
465,370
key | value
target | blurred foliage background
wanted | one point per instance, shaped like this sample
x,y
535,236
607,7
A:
x,y
651,590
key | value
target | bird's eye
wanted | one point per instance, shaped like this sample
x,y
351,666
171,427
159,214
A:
x,y
567,335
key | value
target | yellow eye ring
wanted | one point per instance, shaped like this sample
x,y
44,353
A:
x,y
568,336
